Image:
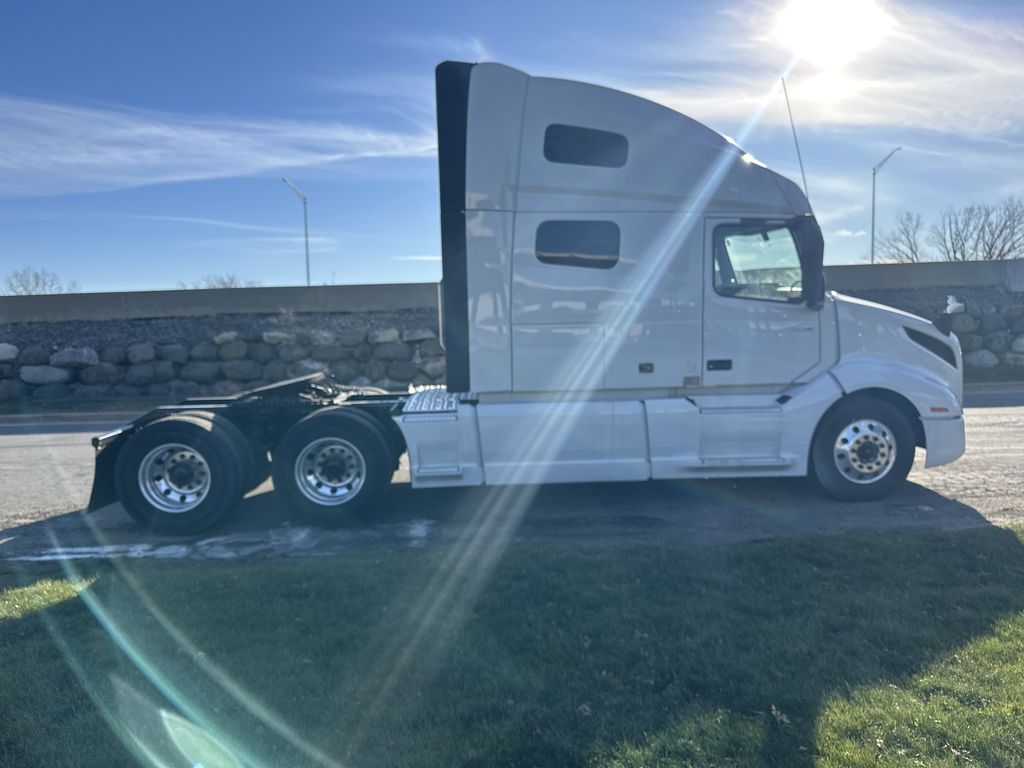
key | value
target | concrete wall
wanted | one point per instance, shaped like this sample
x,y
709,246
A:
x,y
1003,275
855,279
218,301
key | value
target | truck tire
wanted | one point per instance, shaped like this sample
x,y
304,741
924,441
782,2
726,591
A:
x,y
332,468
862,450
254,467
182,473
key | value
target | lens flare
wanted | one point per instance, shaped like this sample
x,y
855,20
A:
x,y
830,34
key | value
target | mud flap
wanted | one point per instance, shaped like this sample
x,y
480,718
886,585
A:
x,y
103,491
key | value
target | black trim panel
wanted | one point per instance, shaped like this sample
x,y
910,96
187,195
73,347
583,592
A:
x,y
452,83
937,347
810,244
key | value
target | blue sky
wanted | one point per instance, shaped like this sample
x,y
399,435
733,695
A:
x,y
142,143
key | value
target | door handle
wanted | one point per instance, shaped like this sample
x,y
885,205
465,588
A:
x,y
719,365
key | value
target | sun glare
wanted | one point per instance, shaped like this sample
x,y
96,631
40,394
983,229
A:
x,y
831,33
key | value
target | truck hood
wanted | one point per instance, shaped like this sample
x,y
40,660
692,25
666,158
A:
x,y
891,337
870,310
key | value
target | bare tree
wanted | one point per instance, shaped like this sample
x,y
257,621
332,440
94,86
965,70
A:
x,y
955,233
1002,231
34,282
980,232
227,280
903,244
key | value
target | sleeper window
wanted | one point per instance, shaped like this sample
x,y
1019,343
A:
x,y
575,145
587,244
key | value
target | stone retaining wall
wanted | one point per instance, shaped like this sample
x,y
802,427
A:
x,y
182,357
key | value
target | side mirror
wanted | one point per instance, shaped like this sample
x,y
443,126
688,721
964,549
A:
x,y
954,306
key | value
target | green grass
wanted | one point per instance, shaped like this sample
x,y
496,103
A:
x,y
894,649
18,602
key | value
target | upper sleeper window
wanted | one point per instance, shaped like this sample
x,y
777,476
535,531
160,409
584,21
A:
x,y
585,146
589,244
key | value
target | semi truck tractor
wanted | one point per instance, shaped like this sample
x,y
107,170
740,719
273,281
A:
x,y
626,295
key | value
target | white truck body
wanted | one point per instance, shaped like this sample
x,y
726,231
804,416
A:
x,y
627,295
626,355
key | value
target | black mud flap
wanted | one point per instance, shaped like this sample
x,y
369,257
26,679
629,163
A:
x,y
108,448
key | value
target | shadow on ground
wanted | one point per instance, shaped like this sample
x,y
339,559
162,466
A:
x,y
694,511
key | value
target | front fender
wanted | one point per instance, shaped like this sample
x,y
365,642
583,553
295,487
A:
x,y
927,392
935,400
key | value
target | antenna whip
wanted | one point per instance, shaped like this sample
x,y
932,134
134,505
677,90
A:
x,y
796,141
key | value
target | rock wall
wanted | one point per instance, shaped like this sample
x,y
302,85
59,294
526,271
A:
x,y
174,358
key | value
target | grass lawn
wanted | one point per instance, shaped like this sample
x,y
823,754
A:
x,y
892,649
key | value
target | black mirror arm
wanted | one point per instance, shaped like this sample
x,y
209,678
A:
x,y
810,246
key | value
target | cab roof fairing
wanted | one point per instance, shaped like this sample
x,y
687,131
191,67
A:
x,y
675,163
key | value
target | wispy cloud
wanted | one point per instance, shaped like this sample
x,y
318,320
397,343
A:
x,y
49,148
417,258
221,223
934,70
446,45
269,245
844,232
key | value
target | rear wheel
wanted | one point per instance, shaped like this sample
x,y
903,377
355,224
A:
x,y
254,467
863,449
182,473
332,467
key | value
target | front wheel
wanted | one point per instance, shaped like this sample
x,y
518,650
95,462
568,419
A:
x,y
332,467
862,450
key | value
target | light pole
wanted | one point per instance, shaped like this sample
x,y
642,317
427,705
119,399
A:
x,y
305,219
874,175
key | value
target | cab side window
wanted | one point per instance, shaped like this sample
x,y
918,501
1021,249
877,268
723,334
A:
x,y
587,244
756,262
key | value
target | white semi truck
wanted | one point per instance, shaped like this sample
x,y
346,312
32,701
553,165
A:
x,y
626,295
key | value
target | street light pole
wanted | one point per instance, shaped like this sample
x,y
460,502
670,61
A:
x,y
874,175
305,220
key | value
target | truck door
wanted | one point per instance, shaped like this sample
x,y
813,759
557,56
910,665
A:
x,y
757,330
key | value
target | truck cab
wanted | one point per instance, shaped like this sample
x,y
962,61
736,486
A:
x,y
629,295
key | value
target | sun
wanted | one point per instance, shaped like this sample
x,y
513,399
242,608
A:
x,y
832,33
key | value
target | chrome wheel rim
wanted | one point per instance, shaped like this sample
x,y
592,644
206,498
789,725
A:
x,y
174,478
865,451
330,471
